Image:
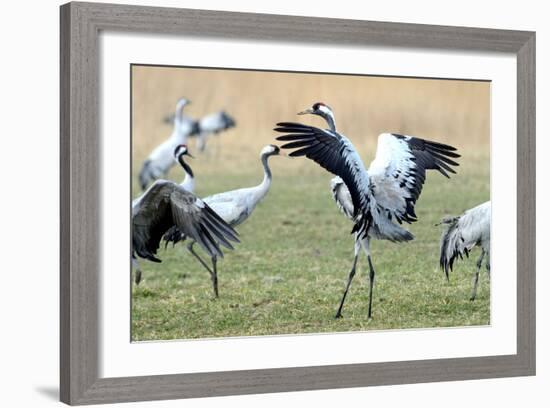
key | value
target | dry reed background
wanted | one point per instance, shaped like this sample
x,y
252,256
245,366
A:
x,y
455,112
449,111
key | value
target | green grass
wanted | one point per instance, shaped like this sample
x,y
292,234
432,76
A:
x,y
289,272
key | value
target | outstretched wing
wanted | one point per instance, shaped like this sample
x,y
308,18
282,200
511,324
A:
x,y
167,204
216,122
335,153
194,218
398,172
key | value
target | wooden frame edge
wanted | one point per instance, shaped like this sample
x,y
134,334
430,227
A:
x,y
79,176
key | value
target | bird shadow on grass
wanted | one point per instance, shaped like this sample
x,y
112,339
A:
x,y
50,392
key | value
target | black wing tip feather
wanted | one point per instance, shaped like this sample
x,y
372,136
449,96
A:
x,y
440,146
200,231
211,232
229,231
291,124
146,254
447,262
293,127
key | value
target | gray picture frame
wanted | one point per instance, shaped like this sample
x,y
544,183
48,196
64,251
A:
x,y
81,24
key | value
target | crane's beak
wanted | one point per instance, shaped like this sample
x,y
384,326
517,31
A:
x,y
305,112
190,155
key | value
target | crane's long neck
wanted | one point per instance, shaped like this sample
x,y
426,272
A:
x,y
182,125
263,187
188,183
329,117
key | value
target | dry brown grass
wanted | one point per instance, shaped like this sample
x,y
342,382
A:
x,y
455,112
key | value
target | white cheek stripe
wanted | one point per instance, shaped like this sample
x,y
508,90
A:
x,y
324,109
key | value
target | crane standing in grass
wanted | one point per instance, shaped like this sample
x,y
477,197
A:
x,y
234,207
375,199
463,233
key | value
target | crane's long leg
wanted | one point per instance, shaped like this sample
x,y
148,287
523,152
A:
x,y
475,279
213,272
350,278
366,247
488,265
201,142
214,276
218,139
371,284
190,249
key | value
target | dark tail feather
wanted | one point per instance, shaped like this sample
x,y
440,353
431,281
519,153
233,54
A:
x,y
448,254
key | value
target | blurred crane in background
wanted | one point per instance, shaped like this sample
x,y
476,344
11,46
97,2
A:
x,y
161,158
211,124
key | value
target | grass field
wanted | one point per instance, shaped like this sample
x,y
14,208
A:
x,y
289,272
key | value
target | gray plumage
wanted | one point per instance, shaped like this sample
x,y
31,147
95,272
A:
x,y
462,234
234,207
342,197
377,200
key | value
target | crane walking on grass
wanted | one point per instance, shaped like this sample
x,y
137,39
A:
x,y
463,233
377,199
161,159
166,204
234,207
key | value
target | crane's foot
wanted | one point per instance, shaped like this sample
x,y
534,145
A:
x,y
338,315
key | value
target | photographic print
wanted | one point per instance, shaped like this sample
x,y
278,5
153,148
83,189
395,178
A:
x,y
273,203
